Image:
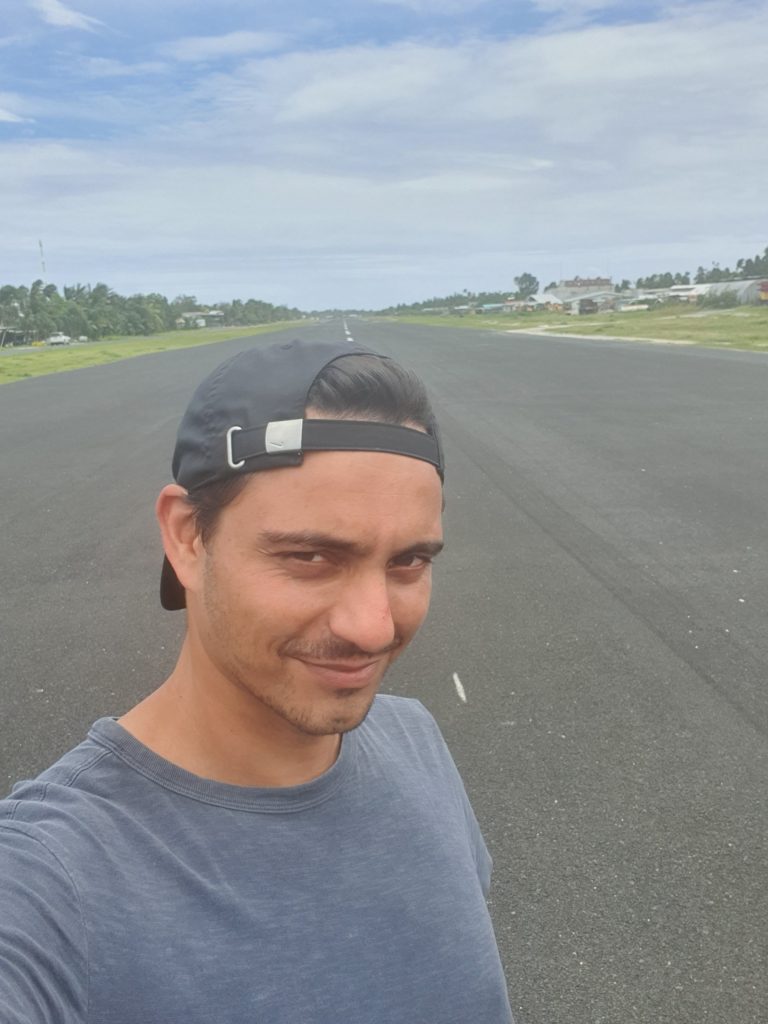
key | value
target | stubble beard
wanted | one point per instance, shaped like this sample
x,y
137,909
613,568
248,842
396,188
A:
x,y
341,711
333,724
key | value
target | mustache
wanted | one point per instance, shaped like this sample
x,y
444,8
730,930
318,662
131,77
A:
x,y
334,649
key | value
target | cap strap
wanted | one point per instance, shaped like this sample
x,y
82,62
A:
x,y
282,437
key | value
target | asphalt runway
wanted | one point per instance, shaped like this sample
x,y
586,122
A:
x,y
602,600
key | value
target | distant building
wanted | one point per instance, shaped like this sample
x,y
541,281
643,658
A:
x,y
679,292
581,287
593,301
201,318
749,291
588,283
545,300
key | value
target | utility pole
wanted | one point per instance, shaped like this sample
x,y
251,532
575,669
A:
x,y
42,257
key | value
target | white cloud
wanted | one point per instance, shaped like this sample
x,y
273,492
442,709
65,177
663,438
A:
x,y
587,101
363,82
447,8
576,8
206,48
10,105
54,12
371,174
566,15
104,67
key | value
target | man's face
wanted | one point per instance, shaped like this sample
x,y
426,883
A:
x,y
315,580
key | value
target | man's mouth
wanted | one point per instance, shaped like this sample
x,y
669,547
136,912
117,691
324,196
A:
x,y
343,674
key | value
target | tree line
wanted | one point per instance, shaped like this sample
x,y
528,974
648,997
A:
x,y
526,285
35,312
756,266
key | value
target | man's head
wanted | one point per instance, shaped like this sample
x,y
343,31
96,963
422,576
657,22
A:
x,y
305,571
264,408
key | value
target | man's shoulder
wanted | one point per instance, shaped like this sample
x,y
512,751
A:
x,y
391,712
63,795
404,727
67,770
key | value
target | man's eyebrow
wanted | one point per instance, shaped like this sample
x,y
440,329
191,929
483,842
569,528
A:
x,y
427,547
327,542
309,539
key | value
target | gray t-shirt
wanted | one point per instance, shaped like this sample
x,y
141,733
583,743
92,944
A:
x,y
133,892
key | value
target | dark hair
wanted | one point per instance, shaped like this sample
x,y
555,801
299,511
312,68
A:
x,y
364,387
368,387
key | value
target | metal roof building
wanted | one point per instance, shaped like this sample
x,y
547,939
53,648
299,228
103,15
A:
x,y
747,291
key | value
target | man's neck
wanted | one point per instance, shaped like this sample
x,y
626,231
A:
x,y
220,733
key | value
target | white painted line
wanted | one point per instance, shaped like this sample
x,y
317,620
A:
x,y
459,689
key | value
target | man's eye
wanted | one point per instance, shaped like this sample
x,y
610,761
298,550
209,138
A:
x,y
308,557
412,561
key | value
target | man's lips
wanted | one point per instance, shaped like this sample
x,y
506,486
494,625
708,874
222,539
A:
x,y
343,673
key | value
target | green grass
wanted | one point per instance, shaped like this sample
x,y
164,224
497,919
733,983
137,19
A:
x,y
508,321
17,365
745,327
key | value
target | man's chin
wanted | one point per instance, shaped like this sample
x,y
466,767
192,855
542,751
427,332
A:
x,y
349,716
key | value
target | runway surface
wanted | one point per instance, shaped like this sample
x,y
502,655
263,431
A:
x,y
601,602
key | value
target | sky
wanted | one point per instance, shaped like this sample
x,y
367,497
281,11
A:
x,y
363,153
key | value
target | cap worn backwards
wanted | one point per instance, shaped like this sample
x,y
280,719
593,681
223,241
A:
x,y
248,416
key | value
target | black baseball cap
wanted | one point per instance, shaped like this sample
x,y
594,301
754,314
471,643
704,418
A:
x,y
248,416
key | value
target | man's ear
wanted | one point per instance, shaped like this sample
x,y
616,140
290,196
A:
x,y
182,543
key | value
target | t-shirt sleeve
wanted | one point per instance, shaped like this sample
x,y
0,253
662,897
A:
x,y
43,961
483,860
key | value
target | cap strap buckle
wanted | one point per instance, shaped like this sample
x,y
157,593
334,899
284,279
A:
x,y
230,457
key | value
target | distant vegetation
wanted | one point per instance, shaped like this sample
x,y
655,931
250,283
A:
x,y
96,312
33,362
436,304
526,285
757,266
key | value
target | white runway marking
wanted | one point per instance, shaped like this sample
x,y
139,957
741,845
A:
x,y
459,688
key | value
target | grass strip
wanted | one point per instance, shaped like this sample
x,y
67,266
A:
x,y
16,365
745,327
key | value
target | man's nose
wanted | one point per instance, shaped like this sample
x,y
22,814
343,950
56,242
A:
x,y
362,613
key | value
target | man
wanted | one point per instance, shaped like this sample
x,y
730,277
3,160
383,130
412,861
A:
x,y
263,838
